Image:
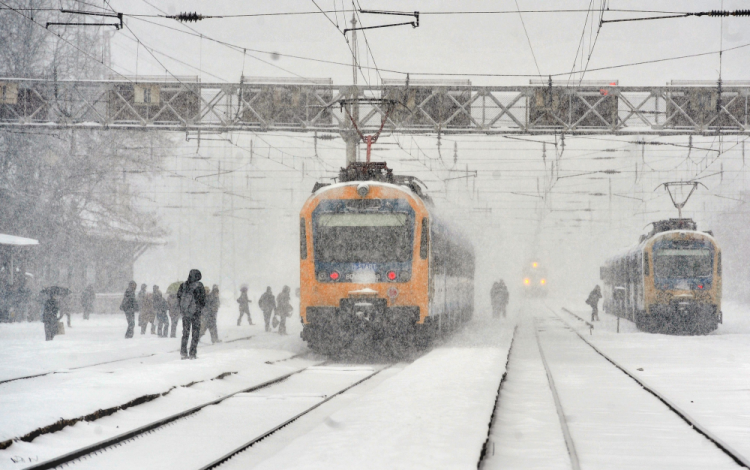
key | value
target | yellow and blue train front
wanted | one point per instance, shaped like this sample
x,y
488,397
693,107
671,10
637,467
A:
x,y
686,280
366,277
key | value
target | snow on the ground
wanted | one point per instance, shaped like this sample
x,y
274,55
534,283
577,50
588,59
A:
x,y
82,434
151,365
613,422
434,414
706,376
217,430
102,338
526,432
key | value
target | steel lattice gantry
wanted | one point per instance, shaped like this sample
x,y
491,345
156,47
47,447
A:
x,y
190,105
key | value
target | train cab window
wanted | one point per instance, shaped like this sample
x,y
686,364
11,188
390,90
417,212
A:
x,y
302,239
646,269
424,242
363,237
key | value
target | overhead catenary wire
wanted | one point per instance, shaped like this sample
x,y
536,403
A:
x,y
528,39
593,44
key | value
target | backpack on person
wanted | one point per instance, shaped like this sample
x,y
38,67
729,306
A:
x,y
188,307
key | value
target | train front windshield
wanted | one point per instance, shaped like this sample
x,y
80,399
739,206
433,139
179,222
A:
x,y
374,237
683,263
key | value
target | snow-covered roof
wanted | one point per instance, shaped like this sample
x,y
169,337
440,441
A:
x,y
330,187
17,241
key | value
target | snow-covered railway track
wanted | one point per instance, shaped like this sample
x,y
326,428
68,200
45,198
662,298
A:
x,y
488,444
569,444
206,436
123,359
650,413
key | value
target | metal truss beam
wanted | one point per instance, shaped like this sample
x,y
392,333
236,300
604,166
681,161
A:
x,y
423,109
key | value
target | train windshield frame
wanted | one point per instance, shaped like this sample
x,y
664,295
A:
x,y
377,233
683,262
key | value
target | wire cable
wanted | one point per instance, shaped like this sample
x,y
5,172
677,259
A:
x,y
527,38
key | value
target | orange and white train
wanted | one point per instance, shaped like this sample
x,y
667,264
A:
x,y
378,267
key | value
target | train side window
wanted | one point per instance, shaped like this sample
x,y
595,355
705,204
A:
x,y
302,239
424,242
646,269
718,265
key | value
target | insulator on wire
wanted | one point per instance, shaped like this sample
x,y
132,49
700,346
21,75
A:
x,y
725,13
187,17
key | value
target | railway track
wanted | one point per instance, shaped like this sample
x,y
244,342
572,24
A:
x,y
143,356
488,444
669,406
229,423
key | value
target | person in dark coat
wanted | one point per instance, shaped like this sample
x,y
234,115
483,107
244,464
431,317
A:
x,y
130,305
283,309
211,312
191,298
501,299
593,301
160,307
50,317
267,304
244,306
88,296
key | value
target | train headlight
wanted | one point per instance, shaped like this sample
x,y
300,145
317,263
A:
x,y
543,282
526,281
363,189
334,276
391,275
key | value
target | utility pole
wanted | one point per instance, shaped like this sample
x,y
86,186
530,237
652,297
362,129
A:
x,y
350,136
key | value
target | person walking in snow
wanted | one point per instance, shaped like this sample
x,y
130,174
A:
x,y
283,309
88,296
244,302
50,318
160,308
267,304
130,305
174,312
148,314
499,299
593,301
191,297
210,313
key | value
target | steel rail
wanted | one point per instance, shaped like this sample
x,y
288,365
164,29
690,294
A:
x,y
590,325
65,371
695,425
574,462
77,454
264,435
497,400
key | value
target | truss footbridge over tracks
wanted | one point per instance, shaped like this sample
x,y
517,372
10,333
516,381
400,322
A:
x,y
258,105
